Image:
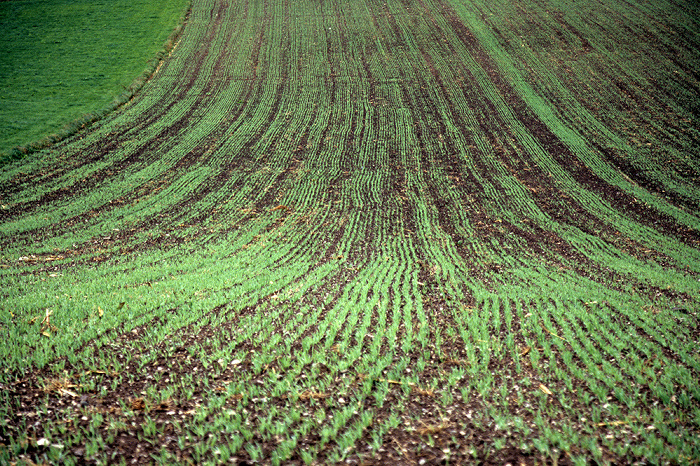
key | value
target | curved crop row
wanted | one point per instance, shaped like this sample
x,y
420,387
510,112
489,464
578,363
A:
x,y
377,231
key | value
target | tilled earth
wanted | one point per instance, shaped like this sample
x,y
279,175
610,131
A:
x,y
402,232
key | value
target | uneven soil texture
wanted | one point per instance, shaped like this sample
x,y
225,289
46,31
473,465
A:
x,y
369,232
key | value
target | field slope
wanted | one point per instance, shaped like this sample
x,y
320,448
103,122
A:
x,y
66,63
380,232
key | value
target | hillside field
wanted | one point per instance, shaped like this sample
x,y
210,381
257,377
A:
x,y
369,232
65,63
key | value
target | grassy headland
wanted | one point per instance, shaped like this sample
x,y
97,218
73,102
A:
x,y
65,62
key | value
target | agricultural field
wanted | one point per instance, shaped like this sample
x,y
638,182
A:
x,y
65,63
369,232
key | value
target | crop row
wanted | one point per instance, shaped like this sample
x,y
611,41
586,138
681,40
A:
x,y
388,230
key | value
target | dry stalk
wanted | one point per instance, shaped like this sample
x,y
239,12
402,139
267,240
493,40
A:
x,y
312,395
430,429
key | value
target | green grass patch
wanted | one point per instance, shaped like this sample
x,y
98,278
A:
x,y
65,63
